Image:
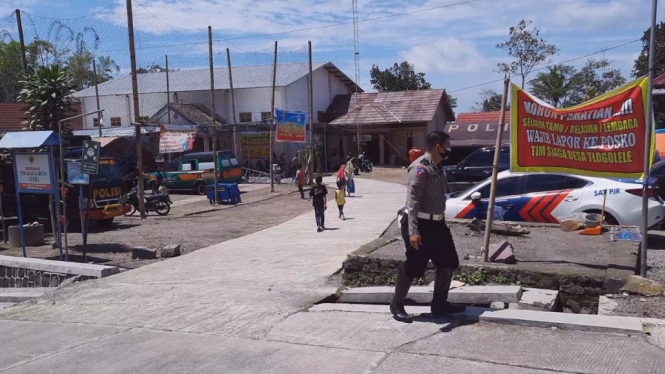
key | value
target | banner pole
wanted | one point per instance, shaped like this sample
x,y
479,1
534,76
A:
x,y
495,171
647,144
213,127
274,120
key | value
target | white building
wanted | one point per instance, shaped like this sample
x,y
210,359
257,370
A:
x,y
252,86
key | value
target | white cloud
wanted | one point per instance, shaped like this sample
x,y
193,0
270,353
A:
x,y
447,55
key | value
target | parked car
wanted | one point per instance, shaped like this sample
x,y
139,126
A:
x,y
546,197
475,168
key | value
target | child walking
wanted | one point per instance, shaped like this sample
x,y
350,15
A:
x,y
339,198
319,195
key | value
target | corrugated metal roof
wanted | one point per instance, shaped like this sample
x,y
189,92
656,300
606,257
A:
x,y
29,139
117,131
482,117
199,79
390,107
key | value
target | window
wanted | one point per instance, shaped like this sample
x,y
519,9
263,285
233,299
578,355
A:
x,y
116,122
234,161
245,117
504,159
552,182
95,122
143,119
482,158
265,116
504,187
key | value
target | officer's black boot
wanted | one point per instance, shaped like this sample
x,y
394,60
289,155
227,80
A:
x,y
397,305
440,304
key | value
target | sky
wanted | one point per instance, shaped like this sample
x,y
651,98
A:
x,y
452,41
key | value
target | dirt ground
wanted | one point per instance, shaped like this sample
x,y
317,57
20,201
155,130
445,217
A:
x,y
385,174
193,223
639,306
547,247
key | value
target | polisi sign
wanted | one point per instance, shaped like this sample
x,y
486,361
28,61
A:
x,y
106,193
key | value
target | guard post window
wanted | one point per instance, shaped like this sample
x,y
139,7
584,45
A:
x,y
245,117
265,116
95,122
116,122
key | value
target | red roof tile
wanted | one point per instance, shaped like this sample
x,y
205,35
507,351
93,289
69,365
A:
x,y
480,117
659,81
12,115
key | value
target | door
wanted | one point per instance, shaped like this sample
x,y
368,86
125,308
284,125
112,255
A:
x,y
551,196
508,197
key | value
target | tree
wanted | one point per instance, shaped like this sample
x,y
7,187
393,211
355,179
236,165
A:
x,y
596,78
11,65
641,67
153,68
400,77
490,101
47,94
556,85
527,48
79,65
452,101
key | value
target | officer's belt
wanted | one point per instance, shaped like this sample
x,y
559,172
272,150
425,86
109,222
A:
x,y
432,217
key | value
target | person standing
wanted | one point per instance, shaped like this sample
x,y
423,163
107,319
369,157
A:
x,y
424,230
300,180
340,200
341,177
350,184
319,195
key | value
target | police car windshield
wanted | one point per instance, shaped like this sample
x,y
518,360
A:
x,y
108,170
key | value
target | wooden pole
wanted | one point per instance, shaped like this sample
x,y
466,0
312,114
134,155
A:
x,y
272,125
233,101
24,58
168,93
99,114
212,113
495,171
310,95
137,116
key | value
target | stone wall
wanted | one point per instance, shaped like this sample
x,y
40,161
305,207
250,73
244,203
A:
x,y
11,277
577,293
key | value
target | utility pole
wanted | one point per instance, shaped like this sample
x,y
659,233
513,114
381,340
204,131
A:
x,y
137,117
356,60
21,40
212,112
310,93
233,101
99,113
168,94
274,119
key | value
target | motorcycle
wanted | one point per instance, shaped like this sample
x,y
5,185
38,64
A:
x,y
158,203
366,166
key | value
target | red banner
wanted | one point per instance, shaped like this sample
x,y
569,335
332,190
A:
x,y
602,137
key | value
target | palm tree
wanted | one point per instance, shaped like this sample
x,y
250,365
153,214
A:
x,y
47,94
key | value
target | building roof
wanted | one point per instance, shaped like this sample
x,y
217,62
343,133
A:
x,y
481,117
29,139
199,79
197,114
118,131
387,107
12,116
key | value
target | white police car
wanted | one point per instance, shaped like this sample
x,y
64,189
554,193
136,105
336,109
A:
x,y
544,197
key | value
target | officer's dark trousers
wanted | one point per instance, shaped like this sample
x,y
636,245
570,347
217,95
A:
x,y
436,245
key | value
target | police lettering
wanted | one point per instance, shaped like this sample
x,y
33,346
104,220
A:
x,y
105,193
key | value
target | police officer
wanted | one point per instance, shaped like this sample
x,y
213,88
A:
x,y
424,230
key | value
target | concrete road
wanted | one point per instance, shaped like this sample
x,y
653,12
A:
x,y
239,307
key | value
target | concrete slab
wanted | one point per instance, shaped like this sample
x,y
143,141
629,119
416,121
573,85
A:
x,y
363,331
423,294
537,299
400,363
60,267
606,306
6,305
19,295
578,322
27,341
544,349
143,351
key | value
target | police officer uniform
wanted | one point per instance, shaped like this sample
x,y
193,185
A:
x,y
424,215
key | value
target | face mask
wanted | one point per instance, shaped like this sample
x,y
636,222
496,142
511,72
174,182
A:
x,y
445,154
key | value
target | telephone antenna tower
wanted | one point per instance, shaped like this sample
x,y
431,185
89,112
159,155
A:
x,y
356,57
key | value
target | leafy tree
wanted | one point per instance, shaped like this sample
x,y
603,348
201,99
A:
x,y
153,68
400,77
11,65
79,66
490,101
452,101
596,78
556,85
527,48
47,96
641,67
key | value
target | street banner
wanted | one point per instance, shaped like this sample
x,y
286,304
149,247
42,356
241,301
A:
x,y
90,157
175,141
603,137
255,146
290,126
33,172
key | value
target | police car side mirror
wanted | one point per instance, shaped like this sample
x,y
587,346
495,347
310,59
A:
x,y
461,165
476,196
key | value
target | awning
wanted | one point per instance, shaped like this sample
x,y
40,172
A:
x,y
29,139
117,131
475,134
